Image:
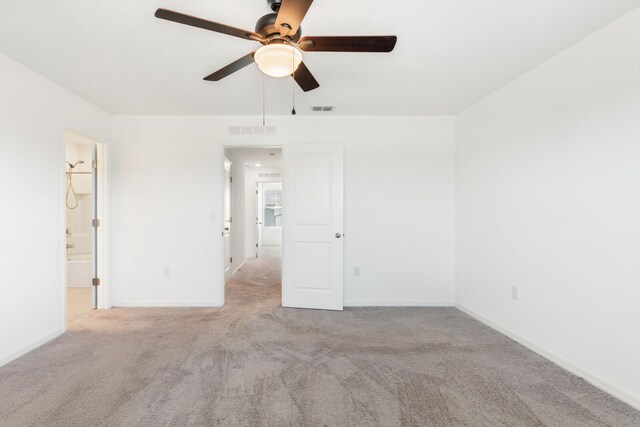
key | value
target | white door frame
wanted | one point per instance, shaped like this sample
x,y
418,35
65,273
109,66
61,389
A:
x,y
104,301
259,217
102,291
226,234
220,223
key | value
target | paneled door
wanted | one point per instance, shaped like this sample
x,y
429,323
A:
x,y
312,259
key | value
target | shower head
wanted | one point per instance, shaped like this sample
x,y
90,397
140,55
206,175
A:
x,y
71,166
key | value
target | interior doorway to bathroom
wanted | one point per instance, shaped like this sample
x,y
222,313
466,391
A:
x,y
81,224
269,219
252,231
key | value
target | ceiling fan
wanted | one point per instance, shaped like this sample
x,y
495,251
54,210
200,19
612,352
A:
x,y
281,37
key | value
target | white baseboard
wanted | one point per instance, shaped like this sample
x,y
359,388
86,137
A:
x,y
29,347
398,303
620,393
166,304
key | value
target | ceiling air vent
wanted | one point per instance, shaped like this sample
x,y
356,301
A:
x,y
269,175
316,108
252,130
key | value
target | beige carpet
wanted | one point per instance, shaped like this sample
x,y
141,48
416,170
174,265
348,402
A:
x,y
254,363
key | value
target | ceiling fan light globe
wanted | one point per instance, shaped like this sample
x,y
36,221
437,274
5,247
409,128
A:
x,y
278,60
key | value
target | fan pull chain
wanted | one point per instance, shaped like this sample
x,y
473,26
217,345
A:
x,y
293,82
263,104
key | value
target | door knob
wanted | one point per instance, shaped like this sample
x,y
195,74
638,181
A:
x,y
226,229
338,235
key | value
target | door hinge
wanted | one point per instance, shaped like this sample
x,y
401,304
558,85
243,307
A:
x,y
256,191
95,222
230,259
256,245
230,179
94,164
95,281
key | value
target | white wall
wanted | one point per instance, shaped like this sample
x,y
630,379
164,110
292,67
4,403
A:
x,y
548,199
34,113
399,190
166,187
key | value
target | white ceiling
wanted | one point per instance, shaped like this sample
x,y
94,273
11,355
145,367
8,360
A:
x,y
253,156
450,53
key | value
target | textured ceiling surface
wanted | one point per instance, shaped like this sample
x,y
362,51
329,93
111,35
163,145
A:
x,y
116,54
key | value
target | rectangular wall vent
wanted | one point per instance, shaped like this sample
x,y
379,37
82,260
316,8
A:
x,y
269,175
317,108
252,130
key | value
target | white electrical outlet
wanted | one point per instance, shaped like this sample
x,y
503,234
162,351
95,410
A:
x,y
166,272
356,271
514,292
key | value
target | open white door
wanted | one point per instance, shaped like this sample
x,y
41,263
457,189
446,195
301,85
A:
x,y
312,261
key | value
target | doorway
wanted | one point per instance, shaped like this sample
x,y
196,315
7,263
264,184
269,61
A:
x,y
299,200
252,230
269,219
82,224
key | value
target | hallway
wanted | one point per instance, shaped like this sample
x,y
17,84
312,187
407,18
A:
x,y
256,286
253,362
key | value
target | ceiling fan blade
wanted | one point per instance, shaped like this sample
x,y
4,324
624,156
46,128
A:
x,y
291,14
231,68
193,21
348,43
305,79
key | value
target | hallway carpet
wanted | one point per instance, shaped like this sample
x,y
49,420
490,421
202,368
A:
x,y
255,363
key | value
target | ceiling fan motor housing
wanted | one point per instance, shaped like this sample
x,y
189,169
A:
x,y
266,27
274,4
